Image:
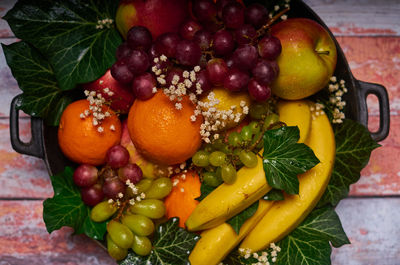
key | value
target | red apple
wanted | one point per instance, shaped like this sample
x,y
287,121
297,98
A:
x,y
307,61
159,16
120,95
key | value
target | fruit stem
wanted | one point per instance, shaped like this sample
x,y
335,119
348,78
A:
x,y
323,52
274,18
121,210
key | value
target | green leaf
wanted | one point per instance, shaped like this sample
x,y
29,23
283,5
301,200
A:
x,y
67,209
284,158
171,246
65,32
353,149
205,190
310,242
238,220
274,195
41,95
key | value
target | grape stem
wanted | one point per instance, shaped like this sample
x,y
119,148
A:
x,y
121,210
272,21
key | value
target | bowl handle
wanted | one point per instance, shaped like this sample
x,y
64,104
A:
x,y
35,146
384,113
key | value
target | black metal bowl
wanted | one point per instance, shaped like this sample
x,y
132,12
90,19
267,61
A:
x,y
44,143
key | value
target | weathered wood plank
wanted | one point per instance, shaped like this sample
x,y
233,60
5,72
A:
x,y
373,231
359,17
376,60
24,239
21,176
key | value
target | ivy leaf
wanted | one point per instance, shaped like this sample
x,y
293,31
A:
x,y
41,95
67,33
205,190
67,209
284,158
274,195
310,243
171,246
238,220
353,149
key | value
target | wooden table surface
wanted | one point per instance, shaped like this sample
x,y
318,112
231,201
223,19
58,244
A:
x,y
369,33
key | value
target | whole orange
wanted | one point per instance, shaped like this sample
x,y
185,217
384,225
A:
x,y
163,133
80,140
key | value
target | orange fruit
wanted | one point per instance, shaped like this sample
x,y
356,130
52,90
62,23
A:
x,y
181,201
80,140
161,132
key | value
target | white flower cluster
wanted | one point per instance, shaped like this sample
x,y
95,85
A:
x,y
104,23
337,90
317,109
264,258
215,119
96,103
277,8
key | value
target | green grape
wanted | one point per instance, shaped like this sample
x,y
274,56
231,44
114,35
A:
x,y
141,245
270,119
217,158
234,139
248,158
200,158
258,110
211,179
256,137
246,134
160,188
144,185
218,173
151,208
102,211
139,224
120,234
208,148
218,144
114,250
228,173
226,149
255,127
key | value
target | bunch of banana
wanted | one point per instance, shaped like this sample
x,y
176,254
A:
x,y
272,221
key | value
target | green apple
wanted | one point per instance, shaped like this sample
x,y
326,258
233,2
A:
x,y
307,61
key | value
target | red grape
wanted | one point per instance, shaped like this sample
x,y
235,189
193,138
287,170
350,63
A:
x,y
245,34
112,187
233,15
188,53
138,62
85,175
166,44
257,91
123,51
269,47
217,71
131,172
264,72
153,52
204,80
245,57
203,38
188,29
174,72
143,86
117,156
204,10
120,71
223,43
256,15
221,4
92,195
139,38
236,80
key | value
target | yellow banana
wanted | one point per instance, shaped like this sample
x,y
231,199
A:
x,y
216,243
229,199
296,113
284,216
